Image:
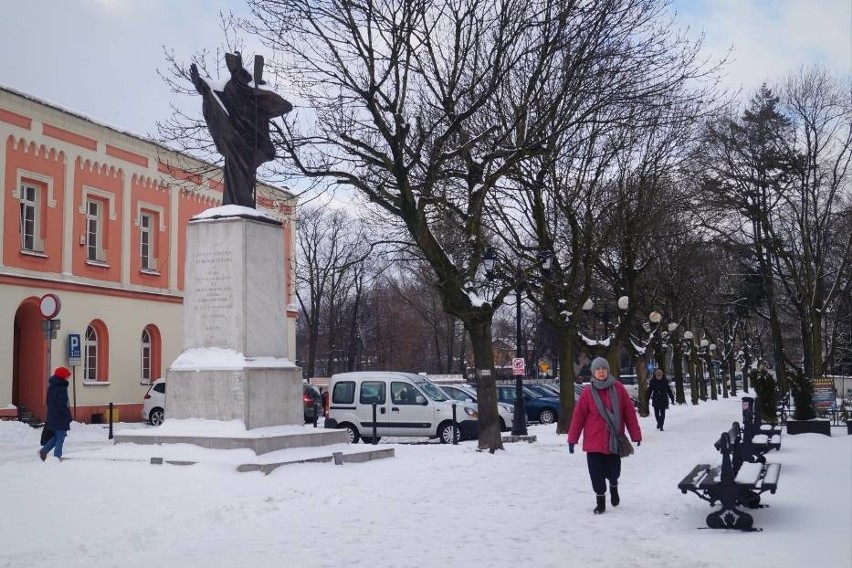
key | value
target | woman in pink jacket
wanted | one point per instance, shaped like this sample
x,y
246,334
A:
x,y
603,410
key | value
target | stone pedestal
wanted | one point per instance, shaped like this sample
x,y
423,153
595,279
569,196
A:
x,y
235,364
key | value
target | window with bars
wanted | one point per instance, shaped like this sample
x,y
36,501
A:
x,y
30,222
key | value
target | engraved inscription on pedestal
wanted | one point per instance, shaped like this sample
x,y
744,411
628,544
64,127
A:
x,y
214,290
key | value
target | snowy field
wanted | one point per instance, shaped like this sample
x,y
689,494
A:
x,y
430,506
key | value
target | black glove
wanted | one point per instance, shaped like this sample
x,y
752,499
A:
x,y
570,448
639,443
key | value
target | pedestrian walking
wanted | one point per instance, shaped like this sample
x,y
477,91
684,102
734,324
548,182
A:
x,y
602,412
659,394
58,413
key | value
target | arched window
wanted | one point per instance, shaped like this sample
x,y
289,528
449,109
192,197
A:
x,y
151,354
146,356
90,355
96,353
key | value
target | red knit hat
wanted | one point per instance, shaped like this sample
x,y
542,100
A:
x,y
62,373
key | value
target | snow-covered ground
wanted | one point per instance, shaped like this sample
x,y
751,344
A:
x,y
430,506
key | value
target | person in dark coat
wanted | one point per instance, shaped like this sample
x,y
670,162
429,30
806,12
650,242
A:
x,y
659,395
58,413
603,411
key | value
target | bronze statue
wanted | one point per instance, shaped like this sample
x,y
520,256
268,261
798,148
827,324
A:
x,y
238,117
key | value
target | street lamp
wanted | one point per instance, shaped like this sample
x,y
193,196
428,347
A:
x,y
689,348
518,280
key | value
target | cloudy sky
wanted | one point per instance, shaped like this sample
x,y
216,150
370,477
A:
x,y
99,58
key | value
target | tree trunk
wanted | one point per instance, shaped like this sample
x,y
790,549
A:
x,y
566,380
677,363
490,437
642,379
693,376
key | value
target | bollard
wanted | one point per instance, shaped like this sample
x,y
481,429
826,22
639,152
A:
x,y
375,433
455,427
110,421
316,413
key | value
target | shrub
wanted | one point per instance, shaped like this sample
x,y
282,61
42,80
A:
x,y
767,395
803,396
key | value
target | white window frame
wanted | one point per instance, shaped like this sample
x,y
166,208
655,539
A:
x,y
150,209
90,355
30,211
147,241
46,196
147,353
107,203
95,251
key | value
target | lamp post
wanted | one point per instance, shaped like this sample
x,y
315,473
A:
x,y
714,374
689,348
704,356
518,281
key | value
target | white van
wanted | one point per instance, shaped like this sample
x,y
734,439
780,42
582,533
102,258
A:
x,y
406,405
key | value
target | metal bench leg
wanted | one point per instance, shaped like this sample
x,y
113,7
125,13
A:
x,y
730,518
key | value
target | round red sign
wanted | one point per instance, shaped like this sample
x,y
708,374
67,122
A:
x,y
49,306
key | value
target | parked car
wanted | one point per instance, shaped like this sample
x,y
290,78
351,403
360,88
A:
x,y
312,399
405,404
468,394
631,383
544,390
154,403
544,409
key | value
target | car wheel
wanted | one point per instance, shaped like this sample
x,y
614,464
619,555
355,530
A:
x,y
354,436
156,417
503,425
547,416
446,432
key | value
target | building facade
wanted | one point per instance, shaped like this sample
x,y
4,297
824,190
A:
x,y
96,218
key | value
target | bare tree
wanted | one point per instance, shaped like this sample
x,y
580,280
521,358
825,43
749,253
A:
x,y
401,95
331,249
749,169
813,254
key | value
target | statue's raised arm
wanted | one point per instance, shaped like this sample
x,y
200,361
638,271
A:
x,y
238,116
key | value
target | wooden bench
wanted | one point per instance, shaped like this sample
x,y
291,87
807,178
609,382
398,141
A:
x,y
731,486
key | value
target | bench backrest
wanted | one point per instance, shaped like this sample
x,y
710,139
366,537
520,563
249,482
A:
x,y
728,474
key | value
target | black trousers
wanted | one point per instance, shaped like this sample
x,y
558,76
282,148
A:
x,y
660,415
603,467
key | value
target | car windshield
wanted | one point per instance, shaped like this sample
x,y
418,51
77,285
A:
x,y
531,393
431,390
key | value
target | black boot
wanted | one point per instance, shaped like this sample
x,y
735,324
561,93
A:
x,y
601,504
613,495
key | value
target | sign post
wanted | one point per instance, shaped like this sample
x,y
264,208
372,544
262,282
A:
x,y
49,306
74,359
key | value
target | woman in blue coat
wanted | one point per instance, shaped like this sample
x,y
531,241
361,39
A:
x,y
58,413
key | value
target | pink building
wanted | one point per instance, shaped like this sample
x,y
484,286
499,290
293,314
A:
x,y
97,217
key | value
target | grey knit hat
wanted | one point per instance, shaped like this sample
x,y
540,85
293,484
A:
x,y
600,363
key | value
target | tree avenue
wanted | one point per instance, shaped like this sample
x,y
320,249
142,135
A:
x,y
590,132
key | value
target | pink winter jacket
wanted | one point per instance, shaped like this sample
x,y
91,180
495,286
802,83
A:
x,y
588,420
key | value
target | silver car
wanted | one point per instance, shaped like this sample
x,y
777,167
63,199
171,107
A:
x,y
467,393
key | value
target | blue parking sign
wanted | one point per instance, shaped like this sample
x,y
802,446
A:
x,y
74,349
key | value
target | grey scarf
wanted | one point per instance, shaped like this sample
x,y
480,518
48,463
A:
x,y
611,417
